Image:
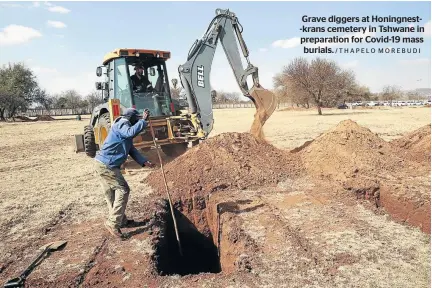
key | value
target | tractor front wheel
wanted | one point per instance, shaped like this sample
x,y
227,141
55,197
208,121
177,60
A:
x,y
89,141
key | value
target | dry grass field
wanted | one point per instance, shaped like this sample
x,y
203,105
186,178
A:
x,y
303,232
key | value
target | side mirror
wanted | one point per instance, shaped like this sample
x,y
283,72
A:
x,y
152,71
99,71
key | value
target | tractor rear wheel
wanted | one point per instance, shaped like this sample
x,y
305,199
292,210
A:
x,y
89,141
174,150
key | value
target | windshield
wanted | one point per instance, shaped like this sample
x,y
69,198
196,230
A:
x,y
142,85
122,89
149,88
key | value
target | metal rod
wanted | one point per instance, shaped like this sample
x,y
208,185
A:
x,y
166,188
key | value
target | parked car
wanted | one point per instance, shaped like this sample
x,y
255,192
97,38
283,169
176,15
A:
x,y
343,106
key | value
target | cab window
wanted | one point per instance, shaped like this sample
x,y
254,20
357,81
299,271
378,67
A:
x,y
122,89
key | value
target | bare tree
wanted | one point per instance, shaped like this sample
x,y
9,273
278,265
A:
x,y
285,91
413,95
94,99
226,97
73,99
322,80
358,93
282,85
391,93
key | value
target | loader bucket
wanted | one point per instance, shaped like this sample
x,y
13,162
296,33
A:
x,y
265,104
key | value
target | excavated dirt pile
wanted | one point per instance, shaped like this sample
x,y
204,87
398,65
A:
x,y
44,118
349,149
416,145
374,169
226,161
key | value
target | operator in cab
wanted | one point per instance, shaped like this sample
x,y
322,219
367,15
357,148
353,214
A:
x,y
140,82
117,147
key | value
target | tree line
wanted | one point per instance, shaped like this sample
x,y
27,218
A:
x,y
218,96
322,83
319,83
20,90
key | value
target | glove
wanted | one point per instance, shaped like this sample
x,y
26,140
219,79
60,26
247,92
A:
x,y
149,164
146,114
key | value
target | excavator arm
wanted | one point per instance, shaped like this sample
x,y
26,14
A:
x,y
195,73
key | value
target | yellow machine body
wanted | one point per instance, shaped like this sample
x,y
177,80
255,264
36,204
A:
x,y
165,123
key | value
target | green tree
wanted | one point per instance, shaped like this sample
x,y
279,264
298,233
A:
x,y
44,99
18,88
60,102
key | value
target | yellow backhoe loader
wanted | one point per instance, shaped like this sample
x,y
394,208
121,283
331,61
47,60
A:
x,y
175,123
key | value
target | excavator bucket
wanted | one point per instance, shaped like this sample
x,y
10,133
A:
x,y
265,104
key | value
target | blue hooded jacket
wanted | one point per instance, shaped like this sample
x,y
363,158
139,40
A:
x,y
119,142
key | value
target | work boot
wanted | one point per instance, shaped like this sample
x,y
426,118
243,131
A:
x,y
130,223
125,222
114,231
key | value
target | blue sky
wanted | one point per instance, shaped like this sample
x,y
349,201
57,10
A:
x,y
64,42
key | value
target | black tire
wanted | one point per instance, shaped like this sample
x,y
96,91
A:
x,y
174,150
89,141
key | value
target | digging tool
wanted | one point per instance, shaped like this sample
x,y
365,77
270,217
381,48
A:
x,y
166,185
48,248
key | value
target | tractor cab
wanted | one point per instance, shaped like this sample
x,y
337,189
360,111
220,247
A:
x,y
138,78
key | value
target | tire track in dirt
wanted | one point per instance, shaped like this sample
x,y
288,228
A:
x,y
91,262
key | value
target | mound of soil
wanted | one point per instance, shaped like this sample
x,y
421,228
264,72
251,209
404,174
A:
x,y
371,168
416,145
44,118
227,161
349,149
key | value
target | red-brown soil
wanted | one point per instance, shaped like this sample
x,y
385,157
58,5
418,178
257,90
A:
x,y
260,215
225,162
416,145
350,149
44,118
374,169
349,156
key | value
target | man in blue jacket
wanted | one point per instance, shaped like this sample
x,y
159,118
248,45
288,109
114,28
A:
x,y
114,152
